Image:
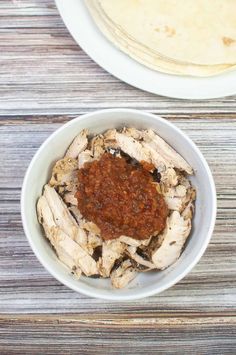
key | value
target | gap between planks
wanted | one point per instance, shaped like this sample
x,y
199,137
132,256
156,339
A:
x,y
47,119
147,320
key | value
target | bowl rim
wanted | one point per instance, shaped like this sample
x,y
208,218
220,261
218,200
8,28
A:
x,y
141,293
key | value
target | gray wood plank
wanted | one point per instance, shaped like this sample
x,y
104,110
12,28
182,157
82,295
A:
x,y
155,334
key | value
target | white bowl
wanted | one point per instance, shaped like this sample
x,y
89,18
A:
x,y
146,284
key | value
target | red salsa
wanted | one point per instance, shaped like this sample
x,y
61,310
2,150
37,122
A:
x,y
120,198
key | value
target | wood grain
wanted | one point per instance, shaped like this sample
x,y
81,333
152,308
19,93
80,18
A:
x,y
46,80
129,335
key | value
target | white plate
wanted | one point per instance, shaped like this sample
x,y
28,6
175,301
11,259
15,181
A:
x,y
92,41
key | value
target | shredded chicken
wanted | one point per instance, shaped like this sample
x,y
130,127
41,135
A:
x,y
110,139
121,276
174,237
133,132
143,151
132,147
85,157
111,251
77,215
175,197
167,152
91,227
97,146
139,259
93,233
78,145
70,199
78,242
169,177
63,218
187,213
68,251
130,241
64,175
93,242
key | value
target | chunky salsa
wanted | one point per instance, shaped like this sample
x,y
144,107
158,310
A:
x,y
120,198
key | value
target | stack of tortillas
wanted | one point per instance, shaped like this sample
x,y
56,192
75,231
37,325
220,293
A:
x,y
183,37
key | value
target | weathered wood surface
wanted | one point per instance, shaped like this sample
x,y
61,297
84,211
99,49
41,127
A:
x,y
45,80
43,71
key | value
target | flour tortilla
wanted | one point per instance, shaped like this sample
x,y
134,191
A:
x,y
200,32
141,53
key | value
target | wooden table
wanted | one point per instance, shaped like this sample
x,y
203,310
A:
x,y
46,80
